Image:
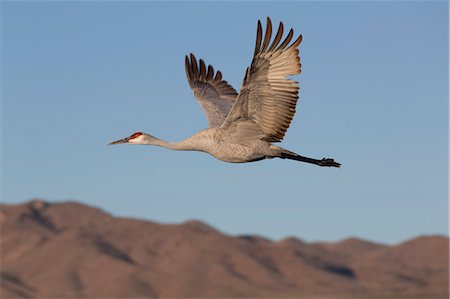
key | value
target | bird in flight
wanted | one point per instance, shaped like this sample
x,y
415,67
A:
x,y
243,127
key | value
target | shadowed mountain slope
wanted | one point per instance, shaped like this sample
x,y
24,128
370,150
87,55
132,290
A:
x,y
69,250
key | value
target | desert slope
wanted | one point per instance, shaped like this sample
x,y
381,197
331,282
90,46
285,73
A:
x,y
69,250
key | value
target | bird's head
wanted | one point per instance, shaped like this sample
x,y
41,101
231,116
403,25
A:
x,y
135,138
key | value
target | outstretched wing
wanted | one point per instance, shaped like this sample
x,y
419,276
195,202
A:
x,y
266,103
216,96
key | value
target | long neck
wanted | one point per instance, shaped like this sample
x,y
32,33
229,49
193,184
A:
x,y
183,145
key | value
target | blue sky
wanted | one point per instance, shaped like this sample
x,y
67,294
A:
x,y
77,75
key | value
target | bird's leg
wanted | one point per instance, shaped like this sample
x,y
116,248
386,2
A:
x,y
325,162
329,163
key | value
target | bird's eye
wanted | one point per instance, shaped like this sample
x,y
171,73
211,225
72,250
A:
x,y
135,135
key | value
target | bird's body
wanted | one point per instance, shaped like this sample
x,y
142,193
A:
x,y
211,141
242,127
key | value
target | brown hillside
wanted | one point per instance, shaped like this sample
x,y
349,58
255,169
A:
x,y
69,250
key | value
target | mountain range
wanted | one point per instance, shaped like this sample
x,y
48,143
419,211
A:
x,y
70,250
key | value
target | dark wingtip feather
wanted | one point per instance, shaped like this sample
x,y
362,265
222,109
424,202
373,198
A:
x,y
268,35
202,70
269,21
218,76
210,73
277,38
297,41
286,40
194,67
187,67
258,37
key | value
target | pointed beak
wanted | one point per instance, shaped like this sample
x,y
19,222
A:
x,y
125,140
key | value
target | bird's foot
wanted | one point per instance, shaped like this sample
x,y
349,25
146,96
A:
x,y
327,162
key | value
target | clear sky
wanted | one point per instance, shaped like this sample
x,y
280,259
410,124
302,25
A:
x,y
77,75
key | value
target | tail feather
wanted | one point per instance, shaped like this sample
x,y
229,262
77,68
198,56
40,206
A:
x,y
325,162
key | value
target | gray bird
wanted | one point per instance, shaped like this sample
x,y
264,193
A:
x,y
244,126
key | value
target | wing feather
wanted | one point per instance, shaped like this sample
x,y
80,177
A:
x,y
215,96
266,103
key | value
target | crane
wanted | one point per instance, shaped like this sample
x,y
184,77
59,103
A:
x,y
243,127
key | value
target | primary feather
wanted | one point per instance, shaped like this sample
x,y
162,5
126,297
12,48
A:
x,y
215,96
267,100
